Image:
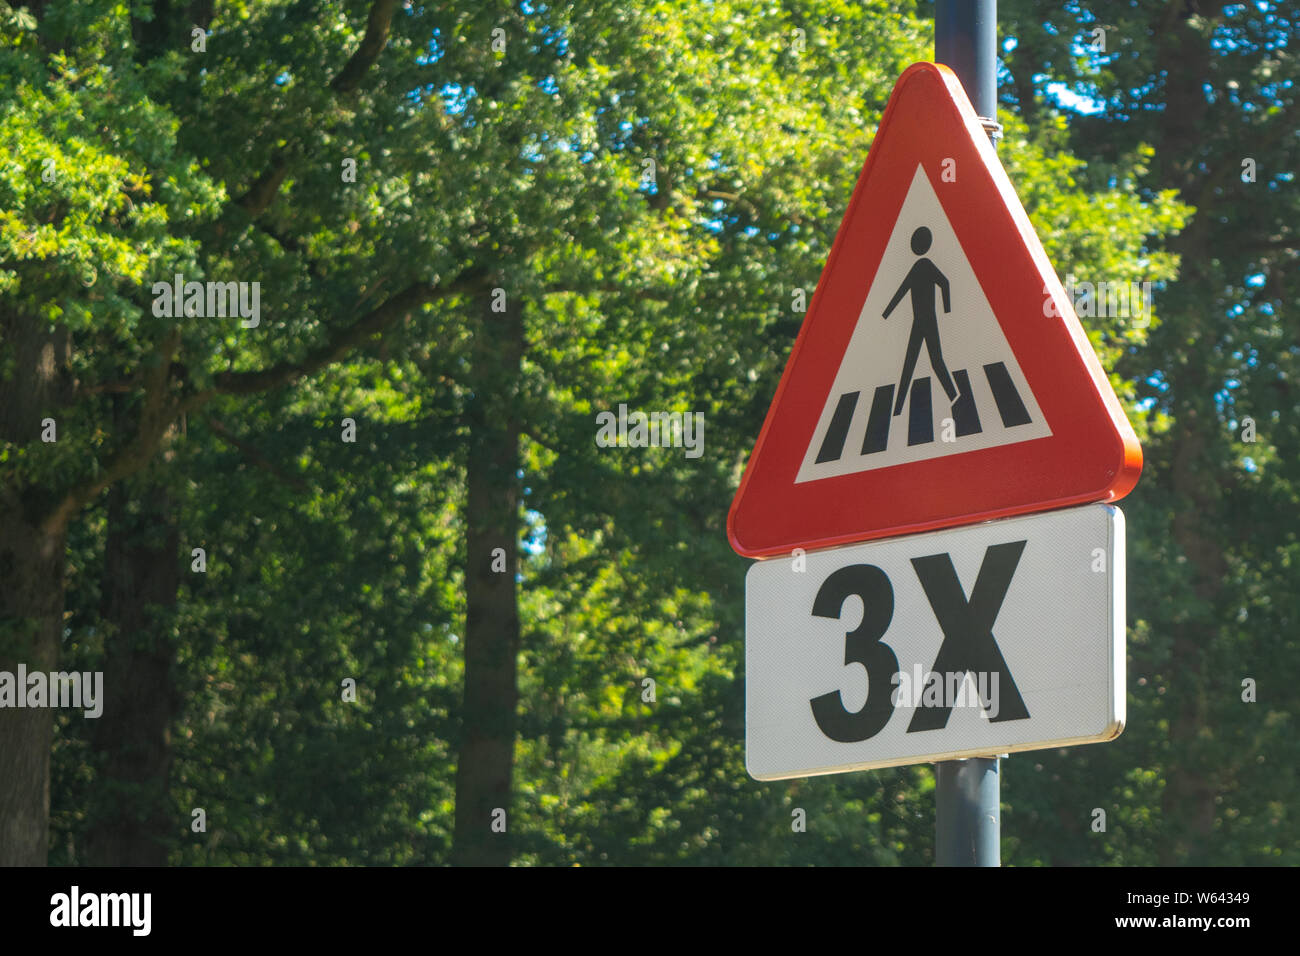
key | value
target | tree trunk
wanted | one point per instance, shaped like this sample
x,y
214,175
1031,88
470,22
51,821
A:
x,y
135,824
1187,804
31,623
31,584
486,758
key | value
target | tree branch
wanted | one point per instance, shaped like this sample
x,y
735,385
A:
x,y
645,294
372,44
1287,245
254,456
155,416
344,340
157,413
265,186
263,191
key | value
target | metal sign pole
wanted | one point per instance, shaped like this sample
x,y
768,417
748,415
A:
x,y
965,41
968,809
968,812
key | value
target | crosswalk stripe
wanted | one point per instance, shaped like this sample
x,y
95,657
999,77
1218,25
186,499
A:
x,y
920,414
964,414
920,425
833,444
877,437
1010,407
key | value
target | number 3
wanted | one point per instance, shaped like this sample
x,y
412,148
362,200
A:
x,y
861,646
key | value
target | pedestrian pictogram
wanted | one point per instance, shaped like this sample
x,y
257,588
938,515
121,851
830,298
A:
x,y
895,398
923,280
940,376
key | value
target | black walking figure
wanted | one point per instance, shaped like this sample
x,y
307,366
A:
x,y
921,281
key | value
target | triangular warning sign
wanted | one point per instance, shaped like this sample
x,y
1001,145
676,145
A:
x,y
940,376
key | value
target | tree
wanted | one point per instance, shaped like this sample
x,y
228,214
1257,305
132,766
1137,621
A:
x,y
114,196
1202,775
473,229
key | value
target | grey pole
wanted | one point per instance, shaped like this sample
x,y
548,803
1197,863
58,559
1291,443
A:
x,y
968,813
968,809
966,41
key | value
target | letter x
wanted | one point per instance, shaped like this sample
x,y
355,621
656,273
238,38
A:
x,y
968,643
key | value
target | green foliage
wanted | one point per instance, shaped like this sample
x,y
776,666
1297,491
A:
x,y
654,182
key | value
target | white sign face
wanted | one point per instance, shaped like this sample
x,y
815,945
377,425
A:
x,y
928,371
974,641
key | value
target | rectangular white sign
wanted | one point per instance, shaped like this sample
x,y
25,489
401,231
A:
x,y
974,641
